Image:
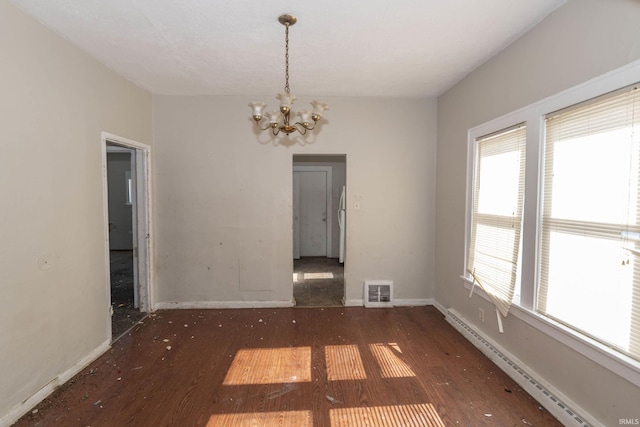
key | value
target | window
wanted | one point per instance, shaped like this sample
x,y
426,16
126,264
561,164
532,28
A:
x,y
497,213
574,246
589,264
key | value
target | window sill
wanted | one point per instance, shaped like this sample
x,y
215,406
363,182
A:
x,y
604,356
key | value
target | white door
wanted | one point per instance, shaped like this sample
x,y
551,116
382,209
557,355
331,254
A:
x,y
312,219
296,215
313,214
312,208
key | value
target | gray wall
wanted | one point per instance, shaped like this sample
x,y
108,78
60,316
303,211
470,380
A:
x,y
55,103
120,220
581,40
225,197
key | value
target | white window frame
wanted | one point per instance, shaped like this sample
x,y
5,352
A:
x,y
524,309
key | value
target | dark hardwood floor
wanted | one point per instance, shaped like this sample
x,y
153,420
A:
x,y
291,367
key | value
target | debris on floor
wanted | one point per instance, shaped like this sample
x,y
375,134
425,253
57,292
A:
x,y
332,399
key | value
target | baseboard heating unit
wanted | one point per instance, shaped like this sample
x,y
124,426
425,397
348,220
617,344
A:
x,y
561,408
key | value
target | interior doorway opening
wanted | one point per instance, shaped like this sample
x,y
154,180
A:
x,y
319,230
126,196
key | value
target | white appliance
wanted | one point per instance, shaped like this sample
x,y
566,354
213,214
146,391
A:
x,y
342,216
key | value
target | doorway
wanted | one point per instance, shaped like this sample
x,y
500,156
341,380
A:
x,y
319,181
126,197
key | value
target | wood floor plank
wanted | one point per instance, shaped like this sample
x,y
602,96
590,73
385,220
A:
x,y
291,367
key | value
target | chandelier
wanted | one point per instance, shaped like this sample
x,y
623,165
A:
x,y
280,121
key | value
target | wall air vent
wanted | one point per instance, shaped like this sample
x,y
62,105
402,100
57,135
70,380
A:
x,y
378,293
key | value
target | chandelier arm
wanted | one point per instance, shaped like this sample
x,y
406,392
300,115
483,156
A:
x,y
300,128
263,128
307,126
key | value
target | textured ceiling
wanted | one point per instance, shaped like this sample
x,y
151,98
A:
x,y
337,48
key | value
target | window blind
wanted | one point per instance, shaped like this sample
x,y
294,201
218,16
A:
x,y
497,213
589,266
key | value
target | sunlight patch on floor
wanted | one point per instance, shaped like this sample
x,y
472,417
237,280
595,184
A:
x,y
255,419
308,276
390,361
420,415
344,363
270,366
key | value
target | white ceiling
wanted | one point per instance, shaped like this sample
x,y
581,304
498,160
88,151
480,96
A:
x,y
337,48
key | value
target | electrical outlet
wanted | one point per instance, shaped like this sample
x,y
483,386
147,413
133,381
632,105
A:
x,y
481,314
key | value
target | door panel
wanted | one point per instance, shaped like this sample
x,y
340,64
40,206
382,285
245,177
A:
x,y
313,213
296,215
120,211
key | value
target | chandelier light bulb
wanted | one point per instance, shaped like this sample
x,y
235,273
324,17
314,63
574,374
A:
x,y
286,99
305,117
274,117
318,108
257,108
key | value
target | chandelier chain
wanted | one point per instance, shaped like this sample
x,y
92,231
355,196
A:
x,y
286,58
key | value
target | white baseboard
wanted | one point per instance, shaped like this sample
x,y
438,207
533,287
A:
x,y
26,405
354,303
412,302
396,302
561,407
204,305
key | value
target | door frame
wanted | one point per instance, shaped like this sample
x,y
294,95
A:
x,y
142,222
133,165
329,204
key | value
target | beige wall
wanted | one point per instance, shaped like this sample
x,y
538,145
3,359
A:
x,y
55,101
581,40
224,197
